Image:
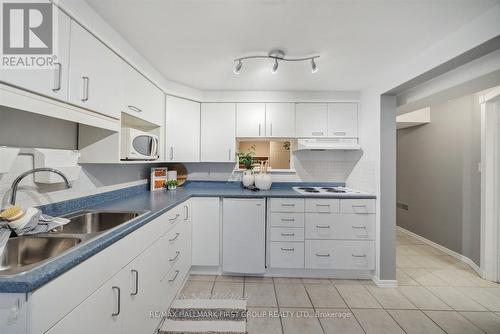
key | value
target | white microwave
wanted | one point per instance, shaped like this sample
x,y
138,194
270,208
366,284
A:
x,y
138,145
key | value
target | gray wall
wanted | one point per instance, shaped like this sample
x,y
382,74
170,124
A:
x,y
387,187
438,177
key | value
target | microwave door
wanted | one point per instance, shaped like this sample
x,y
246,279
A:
x,y
142,145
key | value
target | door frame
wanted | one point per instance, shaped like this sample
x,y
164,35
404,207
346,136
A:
x,y
490,184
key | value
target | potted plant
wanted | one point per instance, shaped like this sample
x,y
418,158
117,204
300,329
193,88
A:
x,y
171,184
247,160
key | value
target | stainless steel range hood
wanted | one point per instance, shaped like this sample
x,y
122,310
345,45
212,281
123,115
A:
x,y
324,144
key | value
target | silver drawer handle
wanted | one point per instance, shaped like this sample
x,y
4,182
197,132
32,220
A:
x,y
323,226
174,238
317,133
361,227
323,255
175,276
86,83
354,255
287,219
171,220
134,108
57,77
118,301
287,204
288,249
136,273
339,133
177,253
325,205
287,234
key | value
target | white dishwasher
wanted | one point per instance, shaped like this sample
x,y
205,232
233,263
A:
x,y
243,235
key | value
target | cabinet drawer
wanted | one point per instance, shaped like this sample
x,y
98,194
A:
x,y
279,219
287,234
173,280
322,205
339,254
357,206
177,249
287,204
340,226
287,255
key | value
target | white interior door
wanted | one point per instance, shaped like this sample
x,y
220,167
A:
x,y
490,185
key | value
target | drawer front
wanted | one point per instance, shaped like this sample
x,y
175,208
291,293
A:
x,y
279,219
287,255
287,234
339,254
322,205
340,226
287,204
361,206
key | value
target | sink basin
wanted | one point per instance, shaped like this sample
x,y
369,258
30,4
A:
x,y
22,253
89,222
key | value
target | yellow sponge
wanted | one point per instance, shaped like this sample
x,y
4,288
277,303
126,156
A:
x,y
12,213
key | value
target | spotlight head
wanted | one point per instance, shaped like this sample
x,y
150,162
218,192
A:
x,y
237,68
314,67
275,66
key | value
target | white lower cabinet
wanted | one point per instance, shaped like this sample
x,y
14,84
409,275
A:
x,y
100,313
287,255
206,231
134,299
339,254
321,233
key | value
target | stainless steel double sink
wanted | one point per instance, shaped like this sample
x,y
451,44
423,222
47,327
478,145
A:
x,y
24,253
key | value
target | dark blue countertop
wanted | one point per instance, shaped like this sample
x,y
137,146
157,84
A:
x,y
138,198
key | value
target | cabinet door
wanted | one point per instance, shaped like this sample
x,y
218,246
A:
x,y
250,119
183,130
95,80
140,292
50,82
243,236
311,120
343,120
142,99
218,122
206,231
280,120
104,307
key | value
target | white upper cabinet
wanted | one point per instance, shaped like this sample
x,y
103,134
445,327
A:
x,y
218,122
95,80
142,99
280,120
49,82
343,120
311,120
182,130
250,119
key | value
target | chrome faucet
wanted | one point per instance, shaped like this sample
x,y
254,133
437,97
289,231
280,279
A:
x,y
13,188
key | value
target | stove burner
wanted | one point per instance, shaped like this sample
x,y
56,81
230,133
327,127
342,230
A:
x,y
332,190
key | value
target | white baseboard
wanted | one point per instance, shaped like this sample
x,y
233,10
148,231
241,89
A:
x,y
385,283
445,250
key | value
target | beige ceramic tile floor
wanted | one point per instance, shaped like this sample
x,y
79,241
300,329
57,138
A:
x,y
436,294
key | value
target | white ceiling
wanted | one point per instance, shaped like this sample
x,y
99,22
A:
x,y
194,42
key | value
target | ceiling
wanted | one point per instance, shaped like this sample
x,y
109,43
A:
x,y
194,42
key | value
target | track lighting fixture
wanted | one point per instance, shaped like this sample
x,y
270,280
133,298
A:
x,y
277,55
